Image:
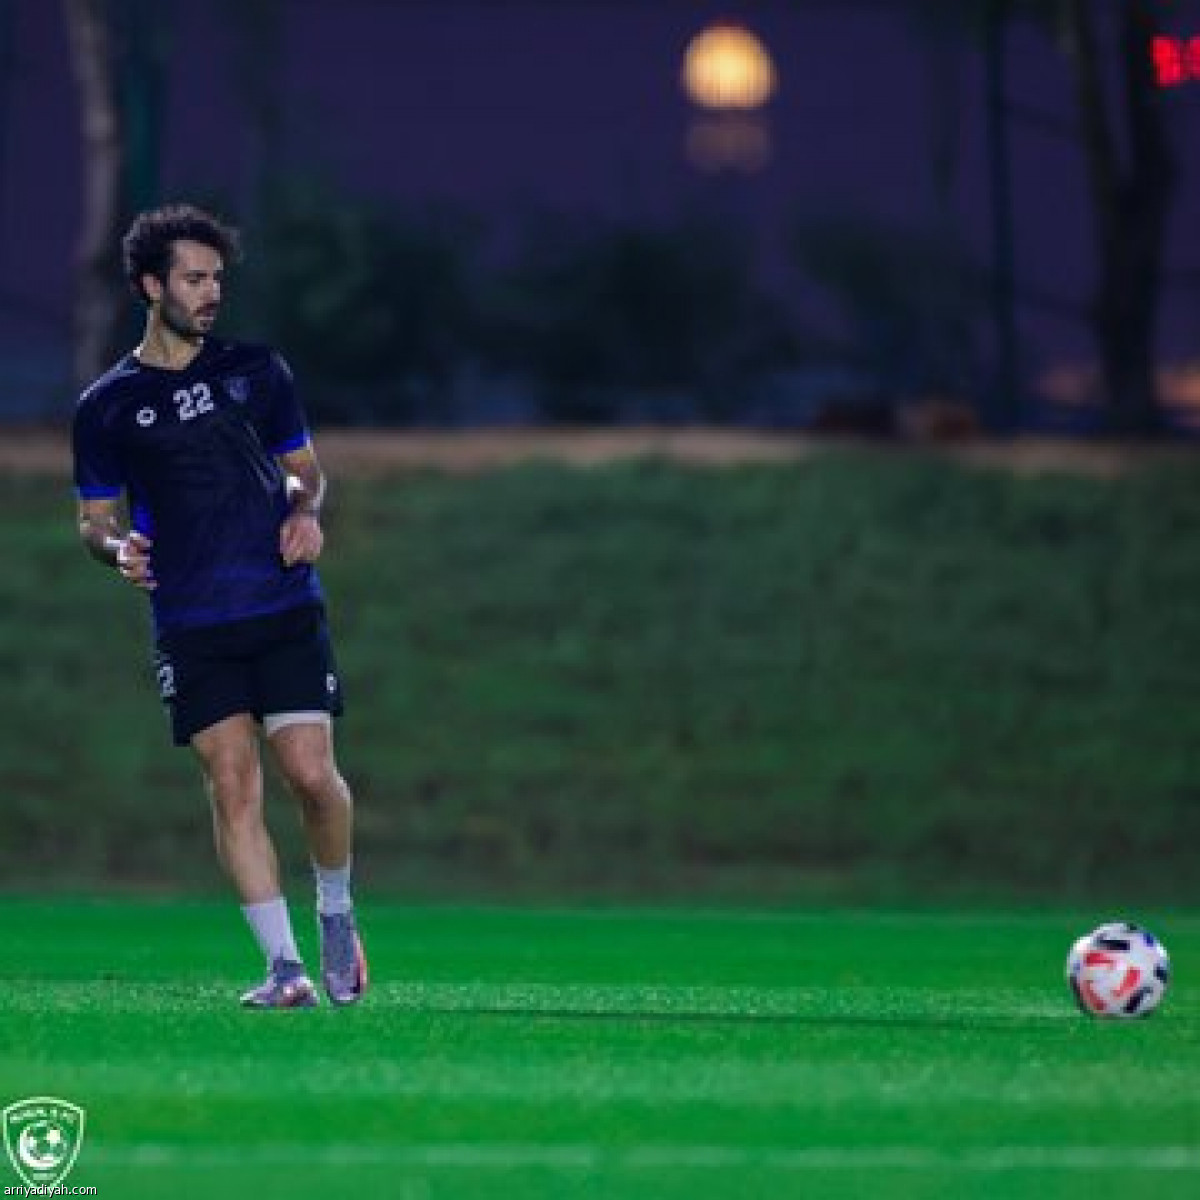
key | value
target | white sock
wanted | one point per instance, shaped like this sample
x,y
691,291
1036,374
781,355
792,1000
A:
x,y
333,889
273,928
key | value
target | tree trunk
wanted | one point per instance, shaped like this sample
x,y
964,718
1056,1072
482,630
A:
x,y
101,296
1132,201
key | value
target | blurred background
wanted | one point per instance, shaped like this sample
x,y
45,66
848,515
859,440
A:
x,y
881,242
772,212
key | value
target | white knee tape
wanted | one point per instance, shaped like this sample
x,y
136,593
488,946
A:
x,y
274,722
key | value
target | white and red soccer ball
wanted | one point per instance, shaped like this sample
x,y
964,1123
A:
x,y
1118,970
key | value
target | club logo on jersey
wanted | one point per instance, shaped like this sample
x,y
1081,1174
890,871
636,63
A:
x,y
43,1136
146,417
237,388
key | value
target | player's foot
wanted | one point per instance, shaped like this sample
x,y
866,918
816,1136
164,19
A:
x,y
287,986
343,964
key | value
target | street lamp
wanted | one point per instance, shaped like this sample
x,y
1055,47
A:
x,y
728,74
727,67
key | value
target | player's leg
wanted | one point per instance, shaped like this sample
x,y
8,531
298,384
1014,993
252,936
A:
x,y
229,756
302,743
228,753
297,691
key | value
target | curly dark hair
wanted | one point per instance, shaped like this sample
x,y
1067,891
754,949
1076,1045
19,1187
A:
x,y
146,248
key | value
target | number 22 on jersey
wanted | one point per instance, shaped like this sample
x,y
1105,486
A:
x,y
193,401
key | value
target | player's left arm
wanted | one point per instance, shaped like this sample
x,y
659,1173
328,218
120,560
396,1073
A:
x,y
300,535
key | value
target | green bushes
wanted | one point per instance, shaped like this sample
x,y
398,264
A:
x,y
867,676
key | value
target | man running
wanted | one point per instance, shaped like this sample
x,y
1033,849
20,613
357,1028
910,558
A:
x,y
208,444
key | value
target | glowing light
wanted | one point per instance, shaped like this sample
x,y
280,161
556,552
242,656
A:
x,y
727,67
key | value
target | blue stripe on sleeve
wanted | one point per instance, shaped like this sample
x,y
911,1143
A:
x,y
293,443
98,492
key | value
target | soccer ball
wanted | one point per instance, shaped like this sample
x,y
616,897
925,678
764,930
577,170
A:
x,y
1118,970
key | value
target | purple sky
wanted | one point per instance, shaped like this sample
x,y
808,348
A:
x,y
527,106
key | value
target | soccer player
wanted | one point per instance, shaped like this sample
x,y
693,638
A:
x,y
208,444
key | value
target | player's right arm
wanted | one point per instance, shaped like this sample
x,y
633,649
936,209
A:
x,y
127,551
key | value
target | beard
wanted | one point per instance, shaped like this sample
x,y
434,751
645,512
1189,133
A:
x,y
179,321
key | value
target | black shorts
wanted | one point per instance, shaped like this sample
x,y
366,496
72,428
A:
x,y
279,663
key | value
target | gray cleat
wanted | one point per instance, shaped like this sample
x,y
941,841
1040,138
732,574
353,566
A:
x,y
287,986
343,964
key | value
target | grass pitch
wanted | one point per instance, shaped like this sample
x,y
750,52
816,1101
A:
x,y
615,1053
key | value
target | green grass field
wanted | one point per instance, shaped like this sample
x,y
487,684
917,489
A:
x,y
624,1053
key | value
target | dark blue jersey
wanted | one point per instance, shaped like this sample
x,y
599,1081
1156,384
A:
x,y
196,453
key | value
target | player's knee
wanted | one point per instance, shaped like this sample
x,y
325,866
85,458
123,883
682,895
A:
x,y
236,790
314,780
